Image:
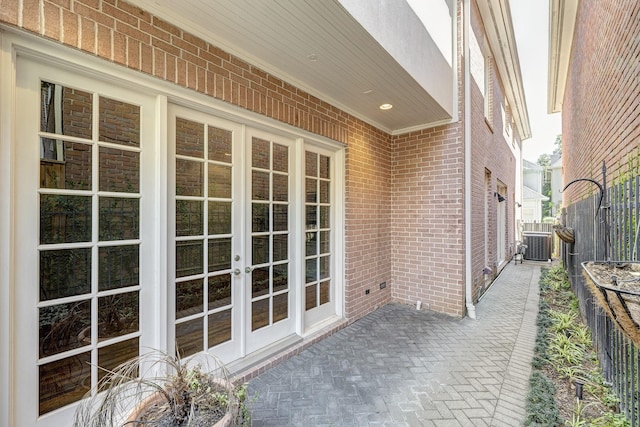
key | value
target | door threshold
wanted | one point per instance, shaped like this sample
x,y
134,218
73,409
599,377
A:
x,y
254,364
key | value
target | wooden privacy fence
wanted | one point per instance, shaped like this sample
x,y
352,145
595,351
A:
x,y
611,231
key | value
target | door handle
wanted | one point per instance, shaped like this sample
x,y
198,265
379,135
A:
x,y
237,272
247,270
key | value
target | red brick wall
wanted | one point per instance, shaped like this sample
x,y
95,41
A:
x,y
600,114
428,202
368,233
492,158
428,219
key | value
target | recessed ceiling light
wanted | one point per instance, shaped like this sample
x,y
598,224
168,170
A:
x,y
386,106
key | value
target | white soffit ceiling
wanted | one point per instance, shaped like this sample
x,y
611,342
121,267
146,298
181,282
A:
x,y
315,45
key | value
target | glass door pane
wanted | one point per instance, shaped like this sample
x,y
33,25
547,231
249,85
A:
x,y
203,235
317,230
89,252
270,202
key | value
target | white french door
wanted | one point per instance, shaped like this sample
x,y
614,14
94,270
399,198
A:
x,y
84,236
231,218
269,236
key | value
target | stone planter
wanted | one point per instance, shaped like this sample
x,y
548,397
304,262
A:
x,y
616,287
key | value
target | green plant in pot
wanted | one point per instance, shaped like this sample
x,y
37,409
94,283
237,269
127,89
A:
x,y
156,389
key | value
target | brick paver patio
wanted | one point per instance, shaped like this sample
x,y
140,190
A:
x,y
403,367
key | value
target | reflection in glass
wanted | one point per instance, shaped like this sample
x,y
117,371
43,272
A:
x,y
280,307
219,291
220,144
259,314
118,315
63,382
189,258
324,292
219,254
119,218
324,216
259,250
324,191
219,218
260,153
310,297
311,164
75,107
119,122
280,217
64,219
189,218
260,282
119,170
280,277
280,158
325,242
311,270
259,217
118,267
64,273
259,185
324,167
189,138
189,337
64,327
312,243
111,356
189,298
220,181
280,247
280,188
312,217
324,267
188,178
72,168
219,328
311,190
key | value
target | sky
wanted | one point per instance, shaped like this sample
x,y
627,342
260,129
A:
x,y
531,27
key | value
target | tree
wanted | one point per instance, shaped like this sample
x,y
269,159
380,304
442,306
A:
x,y
545,162
558,144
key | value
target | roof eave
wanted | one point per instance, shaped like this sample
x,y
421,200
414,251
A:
x,y
496,16
562,19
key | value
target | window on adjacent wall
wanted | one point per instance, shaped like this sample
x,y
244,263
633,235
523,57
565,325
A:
x,y
488,88
505,111
481,71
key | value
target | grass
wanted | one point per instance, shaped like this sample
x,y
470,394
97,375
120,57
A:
x,y
563,356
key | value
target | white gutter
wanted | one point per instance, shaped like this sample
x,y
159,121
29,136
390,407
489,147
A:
x,y
466,27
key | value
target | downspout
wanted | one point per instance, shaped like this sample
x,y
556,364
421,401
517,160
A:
x,y
466,28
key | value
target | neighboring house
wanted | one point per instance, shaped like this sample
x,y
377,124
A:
x,y
532,197
230,178
593,81
532,205
556,185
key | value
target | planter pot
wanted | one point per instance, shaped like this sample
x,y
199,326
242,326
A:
x,y
616,287
134,419
566,234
